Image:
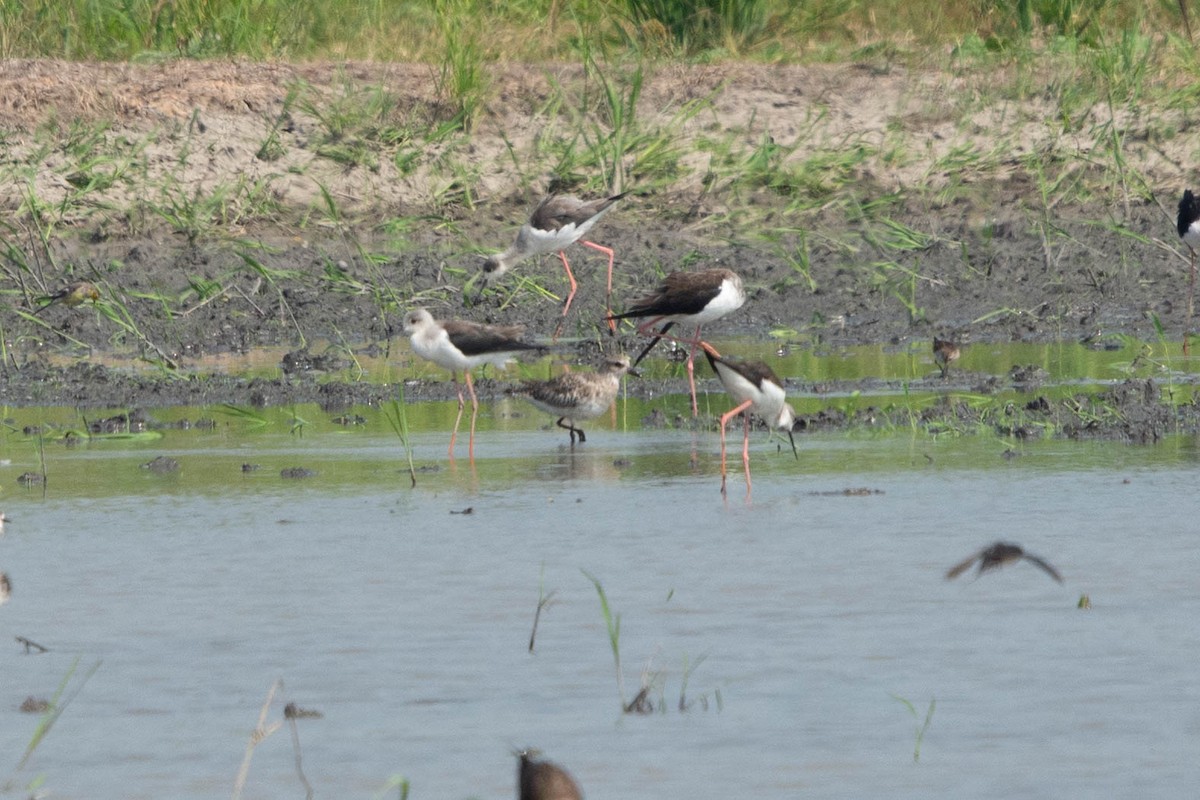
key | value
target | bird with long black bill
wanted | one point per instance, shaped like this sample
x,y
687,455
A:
x,y
460,345
997,555
688,298
756,389
557,222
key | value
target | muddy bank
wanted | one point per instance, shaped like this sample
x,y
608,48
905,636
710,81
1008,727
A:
x,y
883,249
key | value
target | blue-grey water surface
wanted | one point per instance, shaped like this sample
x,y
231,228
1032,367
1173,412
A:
x,y
810,613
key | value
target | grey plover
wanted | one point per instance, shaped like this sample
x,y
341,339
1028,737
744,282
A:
x,y
575,396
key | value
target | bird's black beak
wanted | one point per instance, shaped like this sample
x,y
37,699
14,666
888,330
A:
x,y
634,372
792,439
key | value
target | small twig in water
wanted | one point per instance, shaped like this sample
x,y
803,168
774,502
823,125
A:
x,y
260,732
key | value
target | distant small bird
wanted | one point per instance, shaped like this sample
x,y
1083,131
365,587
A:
x,y
575,396
945,352
5,588
755,388
688,298
1188,225
544,780
997,555
557,222
71,295
460,345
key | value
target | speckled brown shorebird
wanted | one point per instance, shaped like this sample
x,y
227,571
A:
x,y
690,298
997,555
575,396
544,780
557,222
459,345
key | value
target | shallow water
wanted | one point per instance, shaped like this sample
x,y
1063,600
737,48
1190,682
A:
x,y
804,614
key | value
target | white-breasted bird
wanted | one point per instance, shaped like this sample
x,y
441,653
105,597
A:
x,y
575,396
690,298
557,222
460,345
755,388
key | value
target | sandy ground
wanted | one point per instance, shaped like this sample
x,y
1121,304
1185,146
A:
x,y
999,258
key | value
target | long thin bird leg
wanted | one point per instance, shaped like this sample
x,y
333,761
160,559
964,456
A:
x,y
724,421
474,414
458,419
612,323
746,454
570,294
1191,297
691,371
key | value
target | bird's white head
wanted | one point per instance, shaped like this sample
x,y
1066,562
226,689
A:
x,y
416,320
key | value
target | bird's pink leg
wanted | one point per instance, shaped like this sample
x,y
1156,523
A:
x,y
691,370
474,414
724,421
570,294
458,419
612,323
746,455
570,277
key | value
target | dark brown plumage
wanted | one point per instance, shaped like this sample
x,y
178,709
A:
x,y
997,555
544,780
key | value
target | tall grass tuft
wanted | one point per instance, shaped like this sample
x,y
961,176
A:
x,y
700,24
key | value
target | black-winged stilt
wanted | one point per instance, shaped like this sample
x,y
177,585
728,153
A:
x,y
687,298
557,222
459,345
755,388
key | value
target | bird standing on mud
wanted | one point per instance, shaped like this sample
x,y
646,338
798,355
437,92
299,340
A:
x,y
997,555
71,295
574,396
544,780
557,222
756,388
460,345
688,298
945,352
